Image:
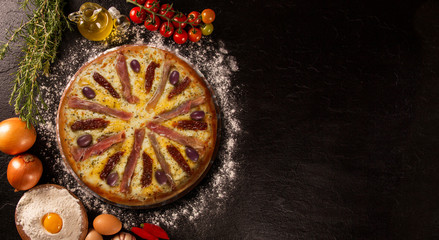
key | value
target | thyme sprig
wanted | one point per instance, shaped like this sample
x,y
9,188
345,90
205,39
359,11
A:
x,y
41,35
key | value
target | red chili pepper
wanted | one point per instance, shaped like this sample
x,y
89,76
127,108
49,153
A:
x,y
155,230
143,233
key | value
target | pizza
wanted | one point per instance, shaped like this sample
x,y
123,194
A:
x,y
138,126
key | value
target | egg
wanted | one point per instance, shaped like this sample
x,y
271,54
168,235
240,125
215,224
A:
x,y
93,235
107,224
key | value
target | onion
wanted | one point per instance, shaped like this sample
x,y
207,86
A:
x,y
15,137
24,171
124,236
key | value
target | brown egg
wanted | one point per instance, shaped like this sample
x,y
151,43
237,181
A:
x,y
107,224
93,235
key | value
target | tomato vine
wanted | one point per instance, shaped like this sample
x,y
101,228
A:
x,y
170,17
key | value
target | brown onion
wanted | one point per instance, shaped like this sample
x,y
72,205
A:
x,y
24,171
15,137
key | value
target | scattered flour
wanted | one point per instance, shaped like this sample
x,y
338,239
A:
x,y
212,194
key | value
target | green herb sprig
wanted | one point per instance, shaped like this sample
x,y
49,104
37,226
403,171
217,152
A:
x,y
41,34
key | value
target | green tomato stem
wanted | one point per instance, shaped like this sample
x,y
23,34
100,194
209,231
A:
x,y
163,15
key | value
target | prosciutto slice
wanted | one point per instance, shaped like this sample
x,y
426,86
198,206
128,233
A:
x,y
77,103
81,154
161,159
175,136
180,110
139,135
161,87
122,72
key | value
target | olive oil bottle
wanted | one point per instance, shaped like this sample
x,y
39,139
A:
x,y
94,22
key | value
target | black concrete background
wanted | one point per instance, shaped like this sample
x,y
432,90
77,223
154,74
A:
x,y
341,118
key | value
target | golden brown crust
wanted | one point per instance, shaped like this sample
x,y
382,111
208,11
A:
x,y
204,162
84,226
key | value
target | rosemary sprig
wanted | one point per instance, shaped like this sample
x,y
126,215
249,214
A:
x,y
42,33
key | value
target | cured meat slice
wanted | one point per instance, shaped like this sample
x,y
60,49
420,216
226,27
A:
x,y
161,159
179,88
105,84
191,125
122,72
161,87
147,170
81,154
89,124
75,102
109,166
149,75
180,110
175,136
139,135
176,155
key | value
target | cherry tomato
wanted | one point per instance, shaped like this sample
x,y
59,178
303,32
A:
x,y
166,10
194,34
152,5
181,18
207,29
180,36
141,2
24,171
166,29
208,15
15,137
194,18
152,26
137,15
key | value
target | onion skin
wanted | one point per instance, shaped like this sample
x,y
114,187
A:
x,y
15,137
24,171
124,236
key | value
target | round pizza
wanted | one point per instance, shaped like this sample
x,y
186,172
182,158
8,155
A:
x,y
138,126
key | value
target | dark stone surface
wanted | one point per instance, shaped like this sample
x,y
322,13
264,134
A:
x,y
341,119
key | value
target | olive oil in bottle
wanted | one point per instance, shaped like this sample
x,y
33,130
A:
x,y
94,22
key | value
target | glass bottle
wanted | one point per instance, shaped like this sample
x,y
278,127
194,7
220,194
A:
x,y
121,22
94,22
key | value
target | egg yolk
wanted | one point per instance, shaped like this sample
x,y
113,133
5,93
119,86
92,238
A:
x,y
52,222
